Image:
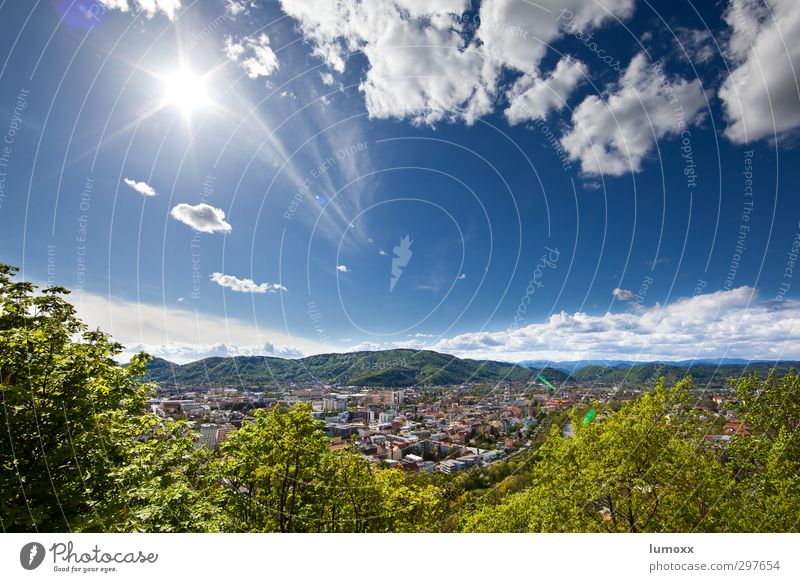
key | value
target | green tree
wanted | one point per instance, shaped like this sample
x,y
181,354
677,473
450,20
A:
x,y
349,497
61,398
645,468
78,450
165,481
271,470
767,463
408,503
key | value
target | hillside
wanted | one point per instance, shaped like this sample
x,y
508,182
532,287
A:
x,y
388,368
702,373
404,367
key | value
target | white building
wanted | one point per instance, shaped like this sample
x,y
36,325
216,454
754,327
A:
x,y
387,416
208,436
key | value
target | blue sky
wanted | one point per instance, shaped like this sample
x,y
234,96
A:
x,y
574,179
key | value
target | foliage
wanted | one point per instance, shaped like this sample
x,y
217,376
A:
x,y
767,463
79,451
703,374
271,468
645,468
391,368
61,399
280,476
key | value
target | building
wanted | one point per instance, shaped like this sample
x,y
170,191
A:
x,y
223,432
451,466
333,404
208,436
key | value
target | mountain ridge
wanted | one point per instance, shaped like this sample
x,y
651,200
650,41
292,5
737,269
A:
x,y
406,367
386,368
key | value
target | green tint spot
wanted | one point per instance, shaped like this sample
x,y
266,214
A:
x,y
545,381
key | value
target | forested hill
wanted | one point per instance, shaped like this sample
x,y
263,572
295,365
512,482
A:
x,y
388,368
404,367
702,373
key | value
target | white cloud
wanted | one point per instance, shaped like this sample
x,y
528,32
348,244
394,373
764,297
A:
x,y
253,54
365,347
461,277
271,349
614,135
181,353
382,252
518,34
705,326
142,188
232,49
423,66
201,217
697,44
719,324
342,268
245,285
623,294
149,7
327,78
761,96
182,334
532,97
237,7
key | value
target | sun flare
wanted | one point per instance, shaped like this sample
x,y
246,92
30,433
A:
x,y
185,90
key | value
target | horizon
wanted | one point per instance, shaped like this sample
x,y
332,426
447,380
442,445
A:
x,y
545,183
523,363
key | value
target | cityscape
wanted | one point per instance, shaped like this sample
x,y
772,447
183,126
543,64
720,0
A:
x,y
432,428
344,288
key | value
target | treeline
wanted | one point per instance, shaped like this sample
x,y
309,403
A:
x,y
80,451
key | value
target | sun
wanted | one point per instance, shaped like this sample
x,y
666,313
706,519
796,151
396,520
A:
x,y
185,90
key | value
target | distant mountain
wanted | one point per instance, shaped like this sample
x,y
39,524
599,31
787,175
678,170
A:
x,y
569,366
403,367
388,368
573,365
702,373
